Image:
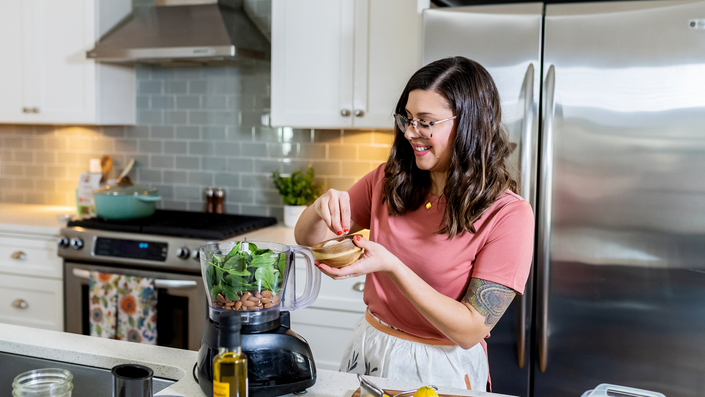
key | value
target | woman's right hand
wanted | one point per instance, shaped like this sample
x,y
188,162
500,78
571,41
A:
x,y
334,209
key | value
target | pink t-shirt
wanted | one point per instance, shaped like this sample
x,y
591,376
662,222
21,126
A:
x,y
500,251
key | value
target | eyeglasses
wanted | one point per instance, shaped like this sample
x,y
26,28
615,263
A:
x,y
423,128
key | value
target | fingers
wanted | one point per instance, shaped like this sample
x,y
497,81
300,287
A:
x,y
334,209
359,241
345,212
322,209
332,272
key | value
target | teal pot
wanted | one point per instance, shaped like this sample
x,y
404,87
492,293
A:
x,y
118,203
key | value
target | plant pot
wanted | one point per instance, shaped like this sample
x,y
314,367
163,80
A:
x,y
292,214
122,203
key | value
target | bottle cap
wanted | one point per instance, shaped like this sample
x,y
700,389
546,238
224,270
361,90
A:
x,y
94,166
229,325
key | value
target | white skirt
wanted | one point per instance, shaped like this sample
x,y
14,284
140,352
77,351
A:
x,y
376,353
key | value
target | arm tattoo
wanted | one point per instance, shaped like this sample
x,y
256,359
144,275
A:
x,y
489,299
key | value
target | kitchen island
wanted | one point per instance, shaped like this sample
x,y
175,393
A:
x,y
169,363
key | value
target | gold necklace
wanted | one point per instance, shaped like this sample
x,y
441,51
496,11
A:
x,y
430,203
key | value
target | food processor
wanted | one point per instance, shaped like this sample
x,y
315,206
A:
x,y
257,280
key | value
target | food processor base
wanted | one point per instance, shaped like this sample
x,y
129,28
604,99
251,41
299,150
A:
x,y
278,362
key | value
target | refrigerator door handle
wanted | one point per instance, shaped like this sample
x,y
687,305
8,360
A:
x,y
544,221
527,145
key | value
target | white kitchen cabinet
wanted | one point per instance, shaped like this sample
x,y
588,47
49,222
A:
x,y
31,279
30,255
342,63
32,302
328,324
45,76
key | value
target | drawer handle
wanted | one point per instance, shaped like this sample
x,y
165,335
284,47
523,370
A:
x,y
359,287
167,284
19,255
20,304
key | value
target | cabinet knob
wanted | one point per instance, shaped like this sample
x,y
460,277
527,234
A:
x,y
26,110
35,110
345,113
20,304
359,287
359,113
19,255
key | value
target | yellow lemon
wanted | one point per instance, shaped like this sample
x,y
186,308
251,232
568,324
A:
x,y
425,391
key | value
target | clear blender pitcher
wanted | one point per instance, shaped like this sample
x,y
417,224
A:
x,y
256,279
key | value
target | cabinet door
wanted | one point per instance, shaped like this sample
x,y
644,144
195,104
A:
x,y
391,54
30,255
11,48
328,332
60,75
312,63
32,302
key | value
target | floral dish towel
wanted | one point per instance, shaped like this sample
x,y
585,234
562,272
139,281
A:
x,y
123,307
137,310
102,297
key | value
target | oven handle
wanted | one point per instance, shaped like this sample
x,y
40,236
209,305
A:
x,y
171,284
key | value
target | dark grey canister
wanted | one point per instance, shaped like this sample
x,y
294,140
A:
x,y
132,380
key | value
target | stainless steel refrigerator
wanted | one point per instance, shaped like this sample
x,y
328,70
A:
x,y
606,103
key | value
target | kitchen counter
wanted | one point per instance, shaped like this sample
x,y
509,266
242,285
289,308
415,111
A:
x,y
33,218
166,362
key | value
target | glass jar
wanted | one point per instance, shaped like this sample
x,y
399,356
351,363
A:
x,y
46,382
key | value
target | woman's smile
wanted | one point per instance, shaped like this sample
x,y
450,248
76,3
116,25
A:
x,y
420,150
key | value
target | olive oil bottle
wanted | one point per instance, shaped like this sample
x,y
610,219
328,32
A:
x,y
230,365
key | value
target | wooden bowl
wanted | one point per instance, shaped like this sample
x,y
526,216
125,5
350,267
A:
x,y
341,254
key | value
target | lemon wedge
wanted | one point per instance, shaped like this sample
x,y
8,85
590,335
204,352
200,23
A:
x,y
425,391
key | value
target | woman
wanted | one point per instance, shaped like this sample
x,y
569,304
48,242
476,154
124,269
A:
x,y
450,240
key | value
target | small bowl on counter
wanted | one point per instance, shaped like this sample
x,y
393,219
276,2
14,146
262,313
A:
x,y
337,252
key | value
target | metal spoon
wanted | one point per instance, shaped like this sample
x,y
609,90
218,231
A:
x,y
414,390
378,392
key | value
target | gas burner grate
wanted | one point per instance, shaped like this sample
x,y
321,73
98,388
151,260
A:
x,y
184,224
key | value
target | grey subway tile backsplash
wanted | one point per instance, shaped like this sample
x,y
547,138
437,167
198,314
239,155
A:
x,y
196,127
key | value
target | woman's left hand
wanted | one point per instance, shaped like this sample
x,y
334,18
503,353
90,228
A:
x,y
375,258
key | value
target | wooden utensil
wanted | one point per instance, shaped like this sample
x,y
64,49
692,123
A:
x,y
123,179
106,163
343,253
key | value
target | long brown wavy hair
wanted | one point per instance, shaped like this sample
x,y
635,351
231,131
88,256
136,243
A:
x,y
477,174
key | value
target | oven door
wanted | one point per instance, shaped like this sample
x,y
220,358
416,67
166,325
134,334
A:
x,y
181,303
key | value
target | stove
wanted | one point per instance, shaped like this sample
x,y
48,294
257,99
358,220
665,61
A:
x,y
163,247
165,240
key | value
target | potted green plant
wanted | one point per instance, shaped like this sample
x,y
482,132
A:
x,y
298,191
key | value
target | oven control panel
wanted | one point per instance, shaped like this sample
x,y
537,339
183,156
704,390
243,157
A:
x,y
136,249
130,248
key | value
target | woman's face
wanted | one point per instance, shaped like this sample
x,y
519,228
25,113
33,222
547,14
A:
x,y
432,154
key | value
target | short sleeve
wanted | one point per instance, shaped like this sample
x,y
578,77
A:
x,y
361,197
506,256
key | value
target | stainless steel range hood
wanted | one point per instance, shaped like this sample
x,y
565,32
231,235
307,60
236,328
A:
x,y
185,32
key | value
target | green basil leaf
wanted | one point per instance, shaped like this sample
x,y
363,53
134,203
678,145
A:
x,y
230,293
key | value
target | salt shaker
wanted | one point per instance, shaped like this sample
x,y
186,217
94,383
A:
x,y
219,200
209,192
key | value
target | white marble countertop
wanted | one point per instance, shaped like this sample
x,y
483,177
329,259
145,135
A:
x,y
166,362
33,218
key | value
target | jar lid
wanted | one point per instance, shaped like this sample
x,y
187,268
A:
x,y
135,190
